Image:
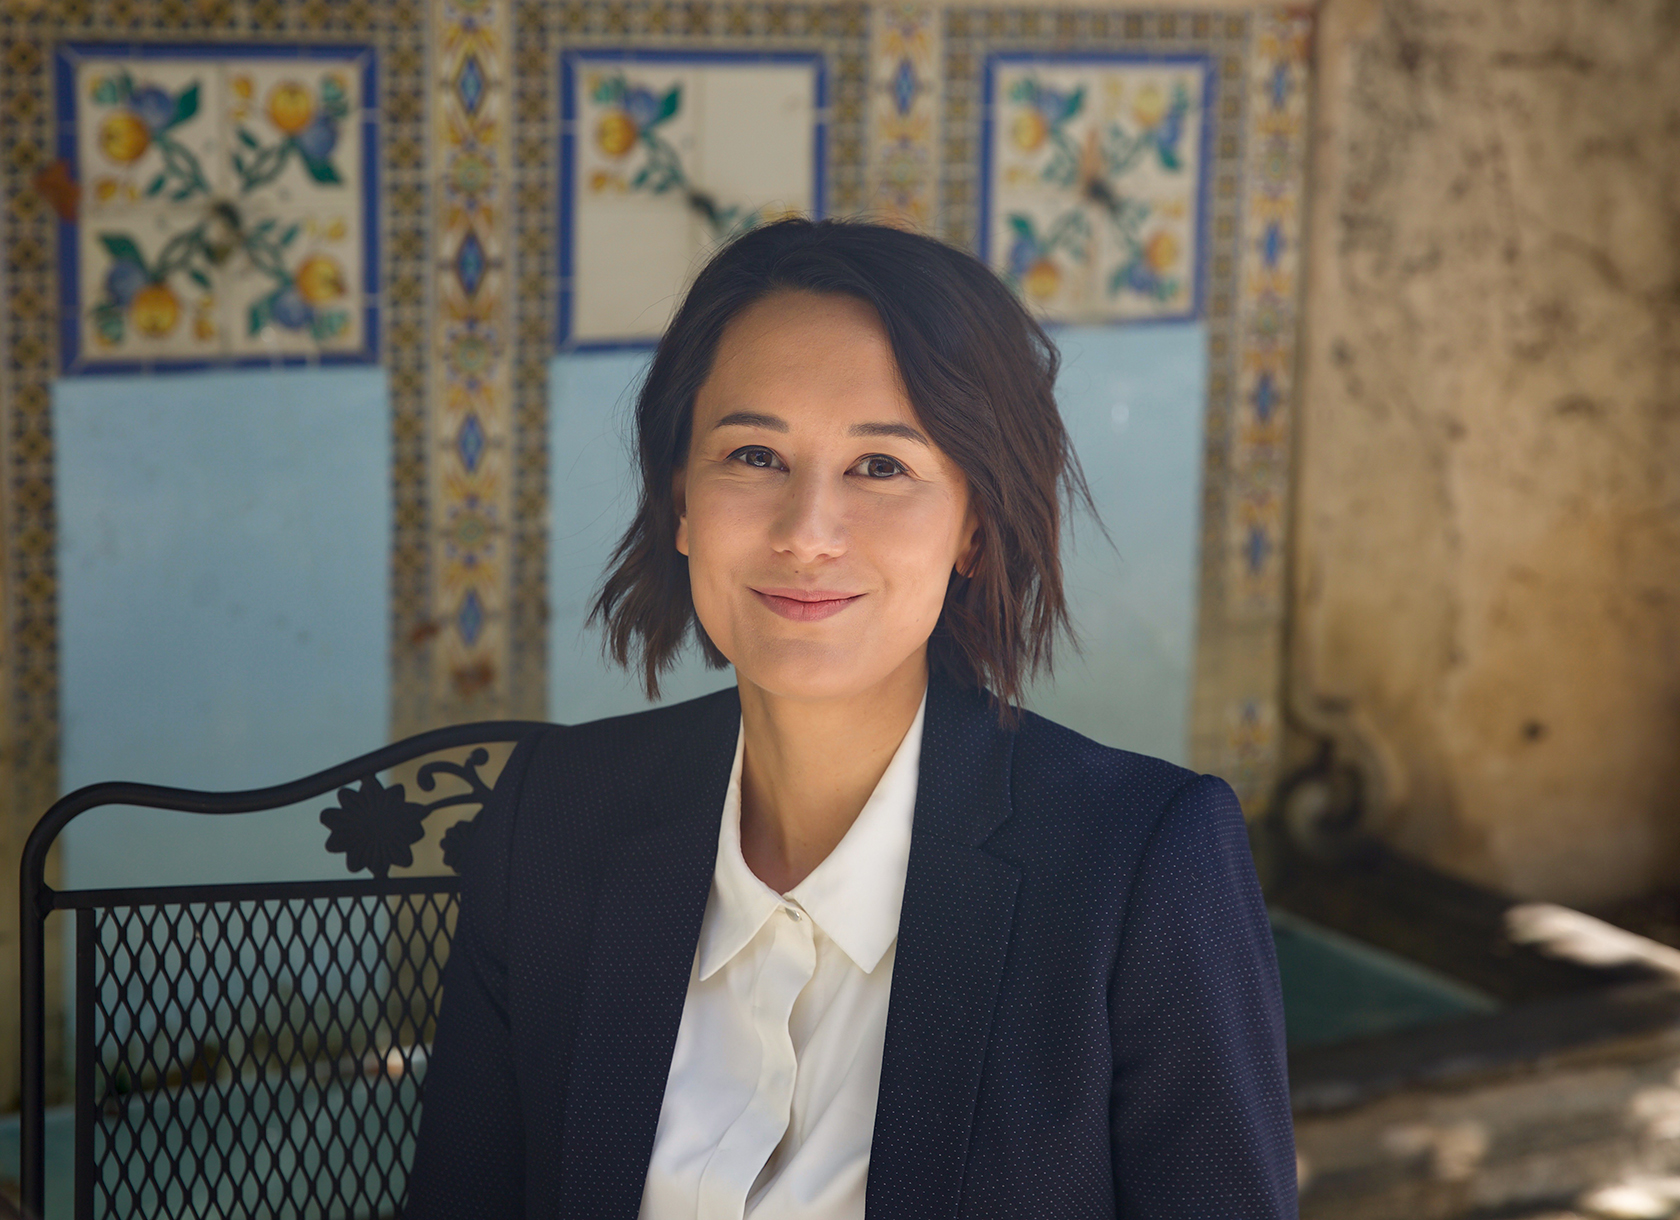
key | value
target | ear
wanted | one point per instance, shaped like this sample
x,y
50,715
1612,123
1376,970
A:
x,y
969,556
679,500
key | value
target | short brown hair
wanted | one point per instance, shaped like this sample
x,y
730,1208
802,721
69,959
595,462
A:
x,y
980,374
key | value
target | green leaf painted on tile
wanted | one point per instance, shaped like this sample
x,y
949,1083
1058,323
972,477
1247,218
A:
x,y
258,317
1022,226
105,92
186,105
125,86
321,171
246,138
122,249
155,185
198,277
290,235
1075,103
333,102
610,90
108,320
668,105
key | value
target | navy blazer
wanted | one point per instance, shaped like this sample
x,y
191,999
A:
x,y
1084,1019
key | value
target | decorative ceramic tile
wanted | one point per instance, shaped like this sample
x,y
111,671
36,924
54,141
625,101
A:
x,y
1092,172
1268,309
227,202
49,195
472,367
904,115
1218,243
666,155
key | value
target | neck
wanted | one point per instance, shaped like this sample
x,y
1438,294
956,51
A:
x,y
808,767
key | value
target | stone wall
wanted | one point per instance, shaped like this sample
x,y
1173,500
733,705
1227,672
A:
x,y
1486,607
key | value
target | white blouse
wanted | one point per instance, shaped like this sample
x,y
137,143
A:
x,y
770,1104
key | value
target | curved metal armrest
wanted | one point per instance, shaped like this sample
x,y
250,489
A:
x,y
374,826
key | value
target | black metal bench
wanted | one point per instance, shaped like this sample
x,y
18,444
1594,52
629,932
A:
x,y
255,1049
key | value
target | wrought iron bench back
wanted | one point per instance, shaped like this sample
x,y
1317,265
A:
x,y
255,1049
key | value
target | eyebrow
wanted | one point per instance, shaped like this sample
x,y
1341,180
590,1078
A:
x,y
773,423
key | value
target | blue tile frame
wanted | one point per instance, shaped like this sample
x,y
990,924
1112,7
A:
x,y
1210,89
569,61
362,57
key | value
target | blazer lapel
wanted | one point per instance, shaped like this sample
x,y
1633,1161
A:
x,y
647,923
953,938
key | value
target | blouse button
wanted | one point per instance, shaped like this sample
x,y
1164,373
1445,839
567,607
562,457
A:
x,y
792,914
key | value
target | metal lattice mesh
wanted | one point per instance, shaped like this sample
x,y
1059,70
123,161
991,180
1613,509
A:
x,y
262,1057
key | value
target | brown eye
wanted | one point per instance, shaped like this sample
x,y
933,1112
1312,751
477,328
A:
x,y
879,466
755,455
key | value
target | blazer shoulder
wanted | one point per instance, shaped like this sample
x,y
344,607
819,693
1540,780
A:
x,y
1053,757
648,734
601,770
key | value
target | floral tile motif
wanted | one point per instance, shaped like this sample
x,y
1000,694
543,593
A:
x,y
473,330
1093,181
227,195
903,173
664,155
1268,311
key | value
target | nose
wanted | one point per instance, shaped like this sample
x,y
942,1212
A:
x,y
809,525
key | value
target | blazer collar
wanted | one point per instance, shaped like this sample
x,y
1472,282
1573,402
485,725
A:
x,y
953,940
954,930
651,900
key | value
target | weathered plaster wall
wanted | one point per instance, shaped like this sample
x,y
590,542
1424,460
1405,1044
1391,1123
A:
x,y
1487,583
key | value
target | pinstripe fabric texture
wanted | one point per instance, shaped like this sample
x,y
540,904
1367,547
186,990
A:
x,y
1085,1018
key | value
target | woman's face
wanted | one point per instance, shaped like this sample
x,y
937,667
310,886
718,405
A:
x,y
821,524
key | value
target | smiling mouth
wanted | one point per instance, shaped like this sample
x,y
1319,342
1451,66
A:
x,y
805,605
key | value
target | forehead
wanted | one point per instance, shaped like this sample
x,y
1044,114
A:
x,y
804,350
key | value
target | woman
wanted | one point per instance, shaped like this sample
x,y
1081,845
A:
x,y
857,933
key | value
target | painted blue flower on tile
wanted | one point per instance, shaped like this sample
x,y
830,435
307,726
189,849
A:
x,y
308,121
1119,144
1033,267
144,118
631,119
1040,120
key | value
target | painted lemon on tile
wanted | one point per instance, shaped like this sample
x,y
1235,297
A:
x,y
1150,107
155,310
1042,279
616,133
1161,252
290,107
124,138
319,279
1028,130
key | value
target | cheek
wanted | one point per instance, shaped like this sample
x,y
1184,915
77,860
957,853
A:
x,y
916,550
718,530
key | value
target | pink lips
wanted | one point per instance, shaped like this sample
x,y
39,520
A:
x,y
806,605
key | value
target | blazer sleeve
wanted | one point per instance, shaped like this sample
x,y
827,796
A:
x,y
1200,1106
469,1157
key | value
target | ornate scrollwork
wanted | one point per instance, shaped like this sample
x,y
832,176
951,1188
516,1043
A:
x,y
376,827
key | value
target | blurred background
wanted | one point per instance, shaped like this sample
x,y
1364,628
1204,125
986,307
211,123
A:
x,y
322,321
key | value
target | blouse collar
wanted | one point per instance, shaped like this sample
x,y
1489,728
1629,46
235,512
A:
x,y
854,895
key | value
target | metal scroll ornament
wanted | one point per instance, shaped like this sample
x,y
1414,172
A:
x,y
376,827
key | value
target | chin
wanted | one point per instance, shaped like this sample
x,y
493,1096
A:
x,y
807,671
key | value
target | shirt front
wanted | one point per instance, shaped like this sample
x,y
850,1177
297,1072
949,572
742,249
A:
x,y
770,1103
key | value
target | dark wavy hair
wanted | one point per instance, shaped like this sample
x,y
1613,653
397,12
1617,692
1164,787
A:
x,y
980,375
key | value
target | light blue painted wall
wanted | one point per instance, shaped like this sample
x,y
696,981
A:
x,y
1133,399
224,556
591,498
